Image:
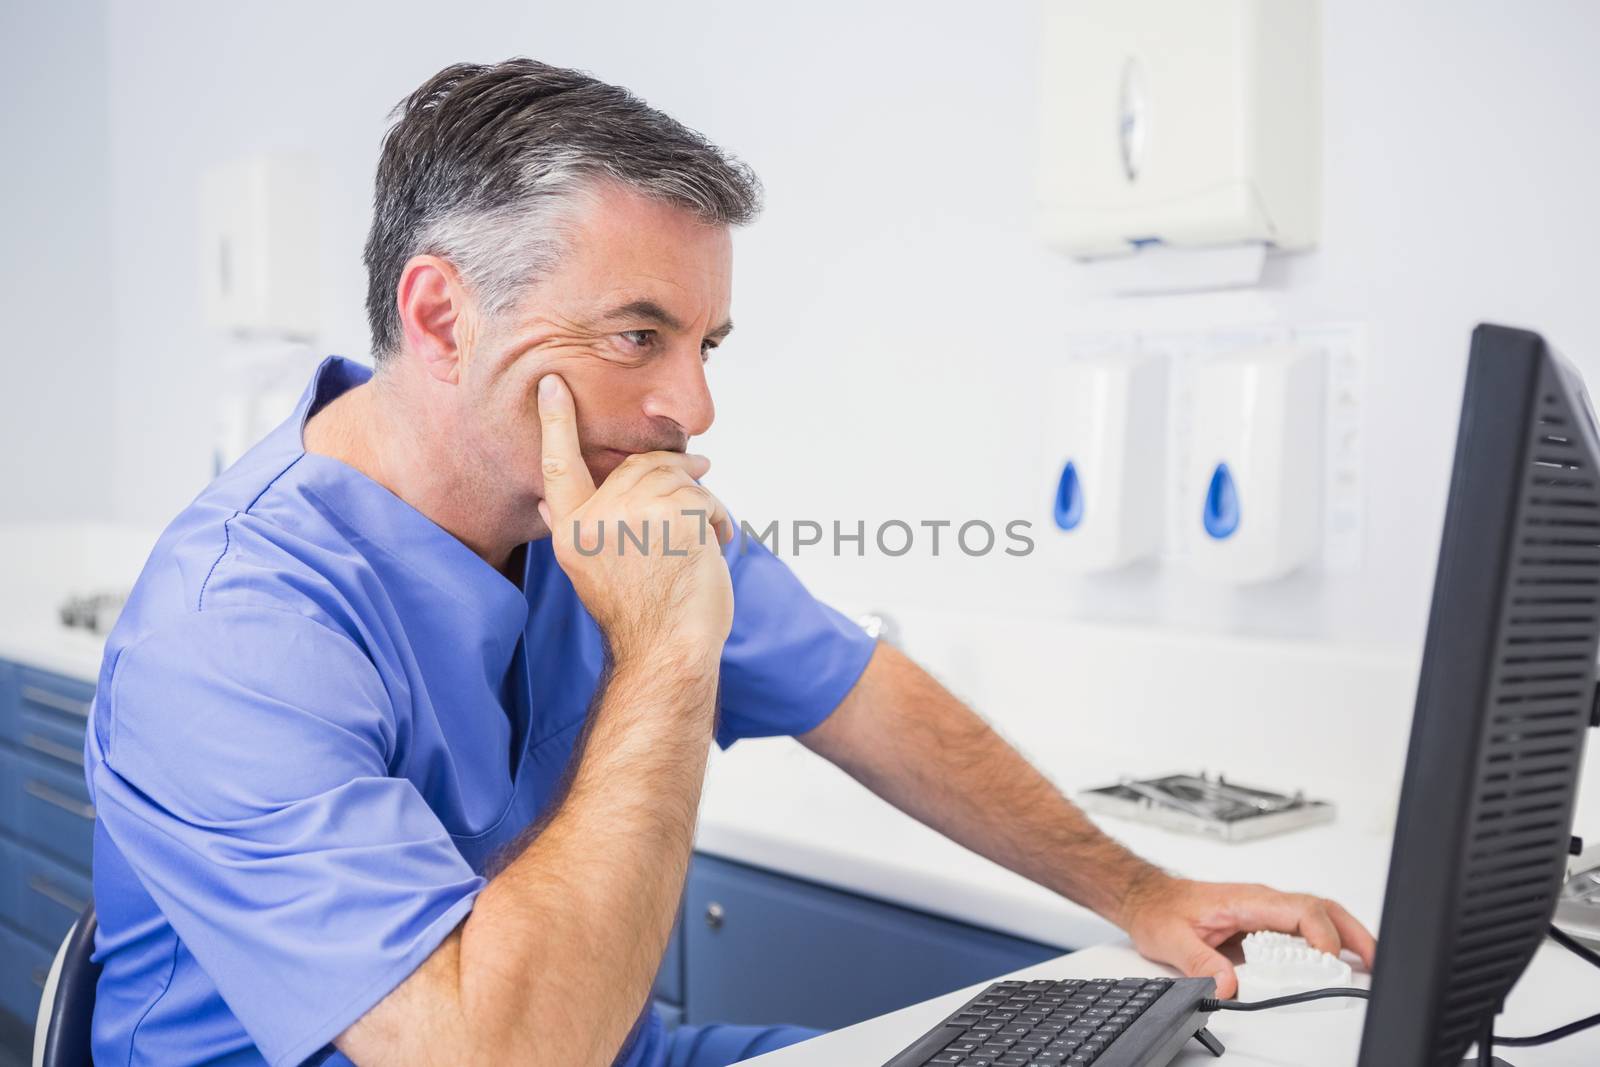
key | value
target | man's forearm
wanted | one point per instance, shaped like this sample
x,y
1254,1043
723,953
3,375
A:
x,y
905,737
556,958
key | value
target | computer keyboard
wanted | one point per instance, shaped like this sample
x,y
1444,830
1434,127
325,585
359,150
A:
x,y
1109,1022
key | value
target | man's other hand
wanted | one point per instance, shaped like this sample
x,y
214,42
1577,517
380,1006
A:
x,y
1182,923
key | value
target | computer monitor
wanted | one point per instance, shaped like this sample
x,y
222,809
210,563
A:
x,y
1504,703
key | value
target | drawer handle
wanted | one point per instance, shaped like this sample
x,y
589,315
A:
x,y
40,976
51,748
43,697
50,891
53,796
715,915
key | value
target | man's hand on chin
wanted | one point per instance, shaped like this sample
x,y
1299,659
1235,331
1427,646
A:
x,y
1182,923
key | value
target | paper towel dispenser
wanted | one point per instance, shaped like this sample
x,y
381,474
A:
x,y
1188,123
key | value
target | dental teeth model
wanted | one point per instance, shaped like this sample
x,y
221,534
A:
x,y
1277,965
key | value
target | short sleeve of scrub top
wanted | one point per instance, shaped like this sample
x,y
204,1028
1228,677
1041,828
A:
x,y
288,879
789,659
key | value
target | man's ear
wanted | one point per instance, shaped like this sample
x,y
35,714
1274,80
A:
x,y
436,315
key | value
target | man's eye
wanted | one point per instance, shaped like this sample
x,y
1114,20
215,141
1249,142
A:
x,y
705,351
639,338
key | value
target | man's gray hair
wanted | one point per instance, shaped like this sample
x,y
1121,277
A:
x,y
485,162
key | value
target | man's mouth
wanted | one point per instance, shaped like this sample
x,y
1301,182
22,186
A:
x,y
620,454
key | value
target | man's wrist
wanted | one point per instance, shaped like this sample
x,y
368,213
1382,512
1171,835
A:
x,y
1144,884
676,658
683,672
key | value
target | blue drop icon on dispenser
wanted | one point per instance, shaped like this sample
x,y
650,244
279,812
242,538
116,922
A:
x,y
1069,498
1222,504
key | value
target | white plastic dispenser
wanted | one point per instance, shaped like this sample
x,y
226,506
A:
x,y
1170,126
1253,483
258,227
1106,441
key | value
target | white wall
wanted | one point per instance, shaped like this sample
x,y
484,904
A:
x,y
894,306
55,316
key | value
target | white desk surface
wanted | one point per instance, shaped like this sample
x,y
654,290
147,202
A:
x,y
1543,1000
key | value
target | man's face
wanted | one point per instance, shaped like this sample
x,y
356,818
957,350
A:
x,y
627,318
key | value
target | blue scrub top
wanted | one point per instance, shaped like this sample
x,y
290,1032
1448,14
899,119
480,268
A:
x,y
319,716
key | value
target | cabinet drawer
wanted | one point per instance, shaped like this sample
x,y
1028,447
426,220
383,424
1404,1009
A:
x,y
44,713
58,744
39,895
47,806
23,969
46,697
762,948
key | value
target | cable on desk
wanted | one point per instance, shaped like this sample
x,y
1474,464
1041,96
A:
x,y
1583,952
1588,956
1566,941
1549,1035
1212,1004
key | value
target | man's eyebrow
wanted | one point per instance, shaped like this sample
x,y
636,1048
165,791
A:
x,y
654,312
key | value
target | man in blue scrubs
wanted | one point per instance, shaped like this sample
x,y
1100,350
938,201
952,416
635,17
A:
x,y
397,746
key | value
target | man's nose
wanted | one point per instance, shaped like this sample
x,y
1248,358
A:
x,y
682,394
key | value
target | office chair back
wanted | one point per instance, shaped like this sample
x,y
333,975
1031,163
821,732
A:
x,y
66,1008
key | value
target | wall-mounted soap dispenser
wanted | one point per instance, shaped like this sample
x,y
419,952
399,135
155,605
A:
x,y
1253,484
1106,442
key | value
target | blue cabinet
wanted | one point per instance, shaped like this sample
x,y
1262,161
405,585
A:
x,y
46,826
762,948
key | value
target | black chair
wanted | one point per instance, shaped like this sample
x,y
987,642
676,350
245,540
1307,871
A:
x,y
61,1036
